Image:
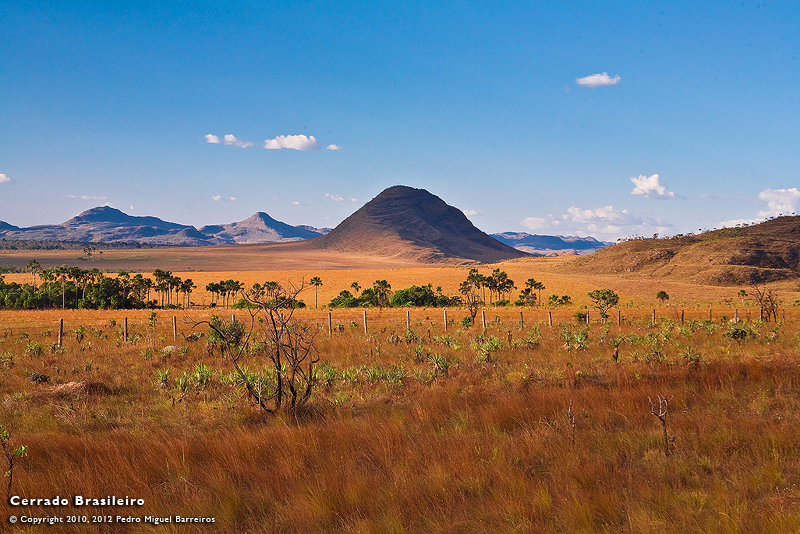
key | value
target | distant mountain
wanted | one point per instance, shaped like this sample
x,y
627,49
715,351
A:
x,y
260,228
543,244
106,224
413,224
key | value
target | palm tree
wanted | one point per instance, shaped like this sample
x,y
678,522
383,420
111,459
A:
x,y
33,268
316,282
382,291
186,288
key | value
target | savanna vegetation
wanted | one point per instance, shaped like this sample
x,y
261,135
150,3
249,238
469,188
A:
x,y
643,426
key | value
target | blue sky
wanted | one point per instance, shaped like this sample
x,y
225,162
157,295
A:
x,y
574,118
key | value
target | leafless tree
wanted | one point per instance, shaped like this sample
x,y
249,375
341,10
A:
x,y
767,301
663,404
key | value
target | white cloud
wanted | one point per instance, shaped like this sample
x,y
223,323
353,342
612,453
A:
x,y
537,223
779,201
651,187
232,140
606,214
338,198
470,213
86,197
228,139
220,198
604,223
333,147
597,80
295,142
295,203
6,180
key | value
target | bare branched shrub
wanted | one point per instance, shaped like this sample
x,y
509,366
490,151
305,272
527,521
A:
x,y
288,343
663,404
767,301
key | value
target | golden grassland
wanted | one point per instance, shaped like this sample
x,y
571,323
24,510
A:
x,y
635,290
416,431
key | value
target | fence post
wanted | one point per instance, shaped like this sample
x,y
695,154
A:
x,y
784,315
710,317
619,317
365,322
60,332
233,317
330,325
483,318
445,320
654,316
587,316
175,328
408,319
125,330
550,318
736,315
521,320
682,316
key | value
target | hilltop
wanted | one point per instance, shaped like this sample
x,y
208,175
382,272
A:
x,y
413,224
764,252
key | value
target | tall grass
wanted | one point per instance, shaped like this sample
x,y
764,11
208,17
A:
x,y
397,445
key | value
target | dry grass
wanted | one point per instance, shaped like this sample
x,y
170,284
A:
x,y
400,445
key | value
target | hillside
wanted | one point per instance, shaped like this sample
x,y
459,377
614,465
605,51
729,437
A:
x,y
259,228
764,252
413,224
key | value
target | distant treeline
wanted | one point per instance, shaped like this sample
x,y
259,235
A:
x,y
33,244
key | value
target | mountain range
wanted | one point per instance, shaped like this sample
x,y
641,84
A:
x,y
401,222
106,224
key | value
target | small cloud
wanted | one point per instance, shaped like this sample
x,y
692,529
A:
x,y
295,203
333,147
295,142
597,80
219,198
651,187
470,213
86,197
132,208
337,198
6,180
536,223
232,140
606,214
229,139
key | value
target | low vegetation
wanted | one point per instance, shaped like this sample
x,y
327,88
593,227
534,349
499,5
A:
x,y
664,426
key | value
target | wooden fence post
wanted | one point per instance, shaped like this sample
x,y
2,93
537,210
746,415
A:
x,y
736,315
710,317
521,320
587,316
125,330
619,317
408,319
330,325
550,318
445,320
174,328
654,316
483,318
365,322
60,332
682,316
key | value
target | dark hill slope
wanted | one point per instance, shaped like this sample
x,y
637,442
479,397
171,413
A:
x,y
751,254
413,224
